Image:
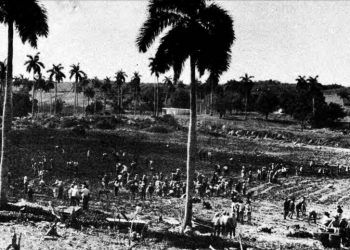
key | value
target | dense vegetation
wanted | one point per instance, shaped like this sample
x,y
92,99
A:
x,y
304,101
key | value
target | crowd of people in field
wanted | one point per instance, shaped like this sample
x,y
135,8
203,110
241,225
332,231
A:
x,y
125,175
142,182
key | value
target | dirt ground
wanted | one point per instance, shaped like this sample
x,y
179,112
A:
x,y
169,152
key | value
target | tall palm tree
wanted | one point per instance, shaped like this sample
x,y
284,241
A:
x,y
314,88
38,84
3,67
96,85
135,83
82,85
170,88
212,81
89,92
301,83
120,79
154,70
45,86
79,76
247,86
33,64
30,20
201,31
106,88
57,74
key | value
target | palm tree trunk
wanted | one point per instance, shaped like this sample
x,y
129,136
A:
x,y
211,100
121,98
33,95
55,103
104,104
77,102
75,97
191,149
166,97
154,100
157,106
6,120
50,102
135,102
41,101
83,105
246,106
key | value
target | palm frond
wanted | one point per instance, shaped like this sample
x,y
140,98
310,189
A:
x,y
30,20
153,26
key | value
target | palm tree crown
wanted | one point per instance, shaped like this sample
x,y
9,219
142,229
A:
x,y
77,73
29,18
33,64
56,73
199,29
120,77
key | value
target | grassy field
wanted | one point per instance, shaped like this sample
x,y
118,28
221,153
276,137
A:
x,y
168,151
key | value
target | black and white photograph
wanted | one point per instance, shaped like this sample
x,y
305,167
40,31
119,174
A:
x,y
174,124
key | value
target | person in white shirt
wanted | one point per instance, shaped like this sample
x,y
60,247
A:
x,y
70,191
25,184
75,196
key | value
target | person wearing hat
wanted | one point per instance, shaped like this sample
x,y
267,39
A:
x,y
225,170
286,207
105,181
248,209
117,185
339,211
177,175
301,207
85,194
243,172
25,184
118,167
30,192
70,191
326,219
292,208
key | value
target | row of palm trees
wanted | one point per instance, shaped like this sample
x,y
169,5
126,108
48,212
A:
x,y
88,86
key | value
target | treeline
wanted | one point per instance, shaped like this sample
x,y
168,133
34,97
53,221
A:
x,y
303,100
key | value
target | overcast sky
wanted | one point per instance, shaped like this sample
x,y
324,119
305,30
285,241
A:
x,y
275,39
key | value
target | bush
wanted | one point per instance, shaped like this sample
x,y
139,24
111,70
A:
x,y
21,104
59,106
106,124
94,107
79,130
50,124
168,120
68,122
159,129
